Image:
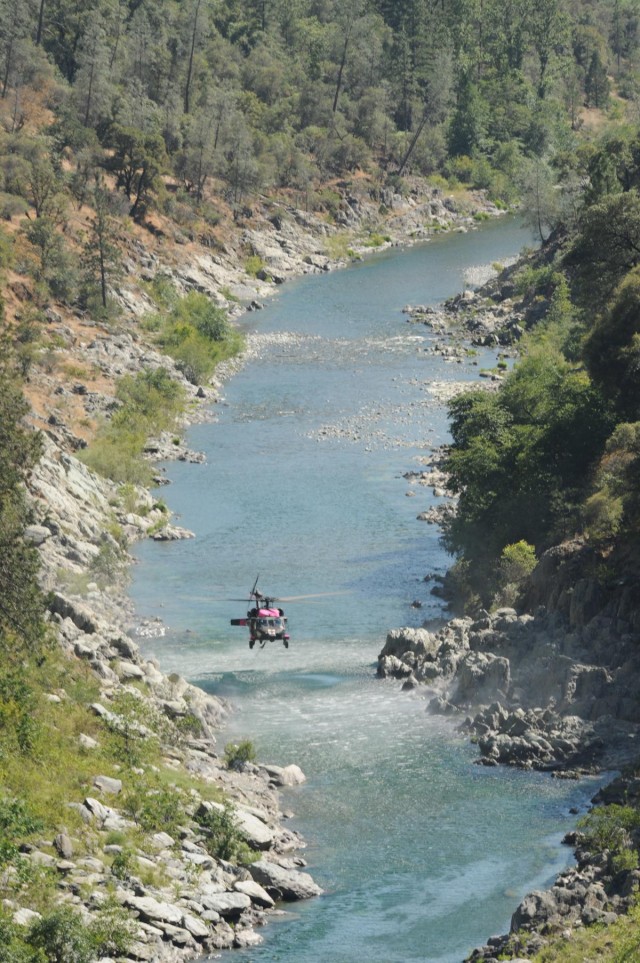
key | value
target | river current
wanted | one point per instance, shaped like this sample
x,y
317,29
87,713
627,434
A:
x,y
422,854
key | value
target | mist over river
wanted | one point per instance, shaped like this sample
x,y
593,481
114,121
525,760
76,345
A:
x,y
422,854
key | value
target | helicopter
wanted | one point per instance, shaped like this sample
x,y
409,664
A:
x,y
265,620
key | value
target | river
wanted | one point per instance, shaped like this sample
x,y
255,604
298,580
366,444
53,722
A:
x,y
422,854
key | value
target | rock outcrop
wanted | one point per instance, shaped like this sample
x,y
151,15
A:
x,y
535,693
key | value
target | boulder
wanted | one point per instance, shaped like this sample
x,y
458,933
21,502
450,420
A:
x,y
228,905
258,834
419,641
108,784
63,845
256,893
285,776
153,911
481,676
285,884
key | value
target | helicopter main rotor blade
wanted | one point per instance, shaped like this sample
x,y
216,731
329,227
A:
x,y
314,595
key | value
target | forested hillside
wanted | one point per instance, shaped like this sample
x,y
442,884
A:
x,y
262,94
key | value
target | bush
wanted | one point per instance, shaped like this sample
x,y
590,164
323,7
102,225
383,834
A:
x,y
253,265
198,335
153,806
224,838
13,949
517,561
236,754
610,829
123,864
63,937
150,402
16,823
112,931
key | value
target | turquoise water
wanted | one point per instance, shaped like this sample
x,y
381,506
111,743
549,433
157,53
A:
x,y
422,854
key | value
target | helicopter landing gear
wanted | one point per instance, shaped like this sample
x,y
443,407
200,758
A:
x,y
285,642
252,642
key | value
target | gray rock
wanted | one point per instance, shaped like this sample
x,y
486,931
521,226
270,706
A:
x,y
97,810
246,937
108,784
153,911
228,905
162,840
285,775
195,926
63,845
37,534
258,834
129,670
25,917
286,884
42,859
255,892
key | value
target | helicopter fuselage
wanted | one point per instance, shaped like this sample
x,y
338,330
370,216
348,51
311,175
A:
x,y
265,625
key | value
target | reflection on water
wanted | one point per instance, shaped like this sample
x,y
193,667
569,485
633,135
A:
x,y
421,853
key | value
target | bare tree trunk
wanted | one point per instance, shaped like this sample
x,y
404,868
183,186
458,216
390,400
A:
x,y
40,23
194,33
341,70
414,141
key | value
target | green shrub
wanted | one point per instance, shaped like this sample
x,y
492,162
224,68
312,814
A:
x,y
223,836
117,455
13,948
236,754
16,824
112,931
151,402
376,240
610,828
198,335
62,937
253,265
517,561
123,864
153,806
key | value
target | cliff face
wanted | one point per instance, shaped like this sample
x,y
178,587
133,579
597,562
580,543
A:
x,y
552,688
591,593
178,897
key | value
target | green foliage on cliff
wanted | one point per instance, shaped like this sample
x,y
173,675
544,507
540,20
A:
x,y
150,402
21,627
224,838
619,943
554,453
197,334
520,459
